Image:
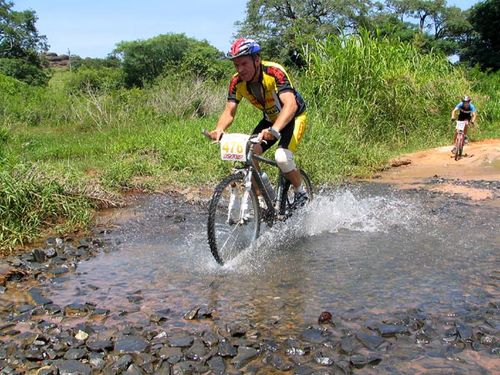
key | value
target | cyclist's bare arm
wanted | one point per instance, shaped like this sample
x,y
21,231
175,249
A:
x,y
286,114
225,120
454,113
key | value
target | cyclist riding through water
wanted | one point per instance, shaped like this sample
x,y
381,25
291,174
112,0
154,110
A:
x,y
267,86
466,112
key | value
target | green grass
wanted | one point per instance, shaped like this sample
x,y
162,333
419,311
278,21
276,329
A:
x,y
64,153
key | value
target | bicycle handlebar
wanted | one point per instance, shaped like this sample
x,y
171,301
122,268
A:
x,y
254,138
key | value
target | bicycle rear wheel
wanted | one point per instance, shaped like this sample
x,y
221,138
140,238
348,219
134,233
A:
x,y
232,229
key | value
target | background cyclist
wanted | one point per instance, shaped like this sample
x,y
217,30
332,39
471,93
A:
x,y
268,87
466,112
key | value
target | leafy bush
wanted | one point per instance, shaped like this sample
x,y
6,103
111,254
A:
x,y
143,61
23,71
94,79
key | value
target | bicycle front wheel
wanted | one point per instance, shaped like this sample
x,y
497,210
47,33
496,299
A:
x,y
233,218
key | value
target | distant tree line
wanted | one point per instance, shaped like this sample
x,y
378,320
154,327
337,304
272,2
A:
x,y
284,27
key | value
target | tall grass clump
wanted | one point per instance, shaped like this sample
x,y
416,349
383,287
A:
x,y
486,86
371,96
30,203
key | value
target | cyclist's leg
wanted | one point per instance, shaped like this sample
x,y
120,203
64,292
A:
x,y
291,136
259,149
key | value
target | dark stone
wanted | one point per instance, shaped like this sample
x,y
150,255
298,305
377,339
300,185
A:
x,y
210,338
76,309
189,367
173,355
39,255
122,363
181,341
226,349
72,367
236,330
99,345
131,344
323,358
360,361
245,355
196,351
191,314
314,335
347,345
96,360
370,341
464,331
390,330
278,362
60,270
38,299
216,365
75,353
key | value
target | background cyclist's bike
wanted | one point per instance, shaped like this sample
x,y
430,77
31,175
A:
x,y
235,213
460,138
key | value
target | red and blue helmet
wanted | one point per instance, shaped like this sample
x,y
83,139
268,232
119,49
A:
x,y
243,47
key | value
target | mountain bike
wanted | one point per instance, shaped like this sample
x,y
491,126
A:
x,y
236,211
460,139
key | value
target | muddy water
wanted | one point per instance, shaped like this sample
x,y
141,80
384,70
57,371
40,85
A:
x,y
364,253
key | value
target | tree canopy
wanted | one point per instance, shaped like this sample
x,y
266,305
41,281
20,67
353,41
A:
x,y
483,45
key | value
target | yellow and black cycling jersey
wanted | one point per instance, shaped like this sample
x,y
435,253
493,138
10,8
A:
x,y
264,94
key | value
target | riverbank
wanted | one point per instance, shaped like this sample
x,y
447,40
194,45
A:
x,y
472,176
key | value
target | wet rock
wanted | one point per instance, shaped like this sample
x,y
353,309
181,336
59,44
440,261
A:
x,y
217,365
173,355
131,344
96,360
96,345
181,341
325,317
464,332
39,255
196,351
188,367
277,362
26,338
37,298
33,355
235,330
210,338
191,314
75,354
81,335
47,370
360,361
245,355
121,364
226,349
488,340
72,367
347,345
314,335
296,348
76,309
369,341
133,369
391,330
324,358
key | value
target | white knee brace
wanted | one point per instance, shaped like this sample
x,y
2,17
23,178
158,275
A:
x,y
284,158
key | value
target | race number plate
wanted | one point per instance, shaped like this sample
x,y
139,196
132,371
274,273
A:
x,y
233,147
461,125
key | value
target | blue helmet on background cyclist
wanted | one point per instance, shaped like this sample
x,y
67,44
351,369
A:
x,y
465,109
267,86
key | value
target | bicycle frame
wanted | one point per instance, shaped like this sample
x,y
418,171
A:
x,y
275,209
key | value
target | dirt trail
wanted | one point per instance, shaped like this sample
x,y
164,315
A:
x,y
476,175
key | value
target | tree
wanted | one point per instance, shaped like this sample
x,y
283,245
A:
x,y
144,60
283,27
19,37
483,44
20,45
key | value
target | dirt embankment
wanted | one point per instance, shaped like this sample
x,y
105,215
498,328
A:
x,y
476,175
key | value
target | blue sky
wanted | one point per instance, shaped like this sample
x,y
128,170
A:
x,y
92,28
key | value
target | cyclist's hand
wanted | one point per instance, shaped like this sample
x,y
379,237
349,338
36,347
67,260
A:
x,y
452,119
267,135
216,134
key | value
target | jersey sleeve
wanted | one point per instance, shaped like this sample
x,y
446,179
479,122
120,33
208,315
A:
x,y
458,106
234,95
472,108
283,83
